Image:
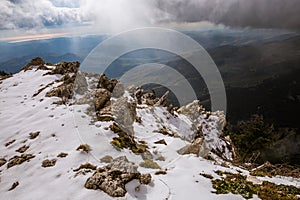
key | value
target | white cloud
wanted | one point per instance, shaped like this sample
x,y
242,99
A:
x,y
34,14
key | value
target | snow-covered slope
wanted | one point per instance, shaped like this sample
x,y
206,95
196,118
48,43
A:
x,y
40,130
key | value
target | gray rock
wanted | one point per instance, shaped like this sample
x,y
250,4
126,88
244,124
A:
x,y
113,177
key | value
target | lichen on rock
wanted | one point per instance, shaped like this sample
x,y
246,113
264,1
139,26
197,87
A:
x,y
112,178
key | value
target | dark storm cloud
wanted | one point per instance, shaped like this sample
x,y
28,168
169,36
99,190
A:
x,y
243,13
125,14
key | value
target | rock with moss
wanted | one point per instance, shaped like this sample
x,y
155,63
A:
x,y
126,141
113,177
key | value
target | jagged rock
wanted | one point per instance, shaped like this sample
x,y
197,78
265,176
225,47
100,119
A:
x,y
80,85
113,177
2,161
106,83
192,111
149,99
49,163
102,97
34,62
163,100
138,94
65,67
17,160
125,113
193,148
63,91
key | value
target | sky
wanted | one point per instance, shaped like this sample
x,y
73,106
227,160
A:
x,y
27,17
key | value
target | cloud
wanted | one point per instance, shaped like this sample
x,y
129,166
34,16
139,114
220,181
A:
x,y
118,15
242,13
29,14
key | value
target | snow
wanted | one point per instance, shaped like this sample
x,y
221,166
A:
x,y
63,128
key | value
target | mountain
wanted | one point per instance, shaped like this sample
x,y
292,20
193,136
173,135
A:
x,y
67,134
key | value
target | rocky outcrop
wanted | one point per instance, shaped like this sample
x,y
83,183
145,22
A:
x,y
65,68
112,178
34,62
106,83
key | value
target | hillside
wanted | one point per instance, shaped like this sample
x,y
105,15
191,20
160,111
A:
x,y
104,142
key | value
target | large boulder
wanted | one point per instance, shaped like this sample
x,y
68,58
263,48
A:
x,y
124,112
113,177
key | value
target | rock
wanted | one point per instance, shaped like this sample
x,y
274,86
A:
x,y
125,113
161,172
102,96
84,147
62,155
163,100
138,94
145,179
64,91
192,111
149,99
113,177
86,166
17,160
14,185
22,149
65,67
10,142
80,85
193,148
106,159
106,83
34,62
2,161
33,135
161,142
49,163
118,91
